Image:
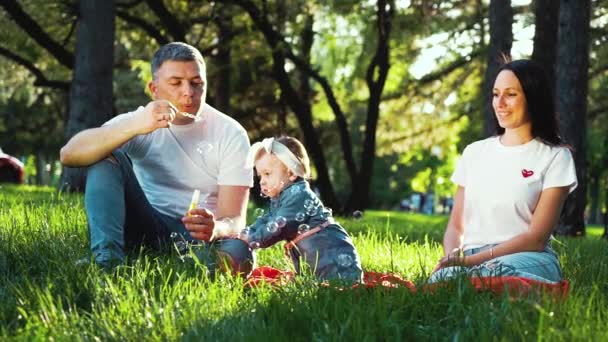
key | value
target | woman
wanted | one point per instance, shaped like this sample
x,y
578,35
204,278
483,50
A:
x,y
511,187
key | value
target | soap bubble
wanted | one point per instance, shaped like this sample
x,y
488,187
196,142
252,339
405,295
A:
x,y
196,118
227,220
258,212
344,260
300,217
311,211
254,245
272,227
204,202
204,147
177,237
181,247
245,233
303,228
281,221
308,204
225,225
357,214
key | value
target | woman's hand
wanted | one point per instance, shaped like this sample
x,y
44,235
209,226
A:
x,y
456,258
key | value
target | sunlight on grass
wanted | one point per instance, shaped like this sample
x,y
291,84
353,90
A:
x,y
45,294
595,230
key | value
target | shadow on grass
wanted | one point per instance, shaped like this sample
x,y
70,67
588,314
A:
x,y
308,312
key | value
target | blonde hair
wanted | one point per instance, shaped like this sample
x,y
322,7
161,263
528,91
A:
x,y
297,148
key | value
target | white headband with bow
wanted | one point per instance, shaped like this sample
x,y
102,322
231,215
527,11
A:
x,y
281,151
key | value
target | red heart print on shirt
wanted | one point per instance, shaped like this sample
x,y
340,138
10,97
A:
x,y
527,173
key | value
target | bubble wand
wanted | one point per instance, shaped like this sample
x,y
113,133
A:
x,y
194,202
188,115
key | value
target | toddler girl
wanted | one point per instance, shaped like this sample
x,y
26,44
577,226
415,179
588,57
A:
x,y
296,214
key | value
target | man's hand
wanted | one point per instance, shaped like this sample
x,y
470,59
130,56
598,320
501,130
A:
x,y
199,223
157,114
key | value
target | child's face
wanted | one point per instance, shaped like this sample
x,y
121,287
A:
x,y
274,175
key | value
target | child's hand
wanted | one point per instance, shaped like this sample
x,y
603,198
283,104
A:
x,y
199,222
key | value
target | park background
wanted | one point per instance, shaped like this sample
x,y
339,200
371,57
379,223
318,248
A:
x,y
384,94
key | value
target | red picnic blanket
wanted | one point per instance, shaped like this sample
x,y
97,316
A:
x,y
513,285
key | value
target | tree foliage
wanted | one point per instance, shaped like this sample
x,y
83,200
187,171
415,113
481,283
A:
x,y
430,103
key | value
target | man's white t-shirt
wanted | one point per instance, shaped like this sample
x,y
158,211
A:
x,y
171,162
502,185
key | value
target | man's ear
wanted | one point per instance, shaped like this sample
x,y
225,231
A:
x,y
152,87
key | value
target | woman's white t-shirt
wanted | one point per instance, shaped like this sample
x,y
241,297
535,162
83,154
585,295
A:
x,y
502,185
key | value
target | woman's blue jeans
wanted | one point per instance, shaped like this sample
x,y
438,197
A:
x,y
540,266
121,219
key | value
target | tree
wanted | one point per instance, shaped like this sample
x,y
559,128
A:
x,y
376,75
545,35
301,107
597,141
572,75
223,60
501,40
91,91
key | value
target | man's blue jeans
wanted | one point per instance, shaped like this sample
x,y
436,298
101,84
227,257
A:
x,y
540,266
121,219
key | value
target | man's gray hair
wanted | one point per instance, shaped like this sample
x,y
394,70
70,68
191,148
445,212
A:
x,y
176,51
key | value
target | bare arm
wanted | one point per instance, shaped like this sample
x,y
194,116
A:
x,y
452,238
232,204
92,145
545,217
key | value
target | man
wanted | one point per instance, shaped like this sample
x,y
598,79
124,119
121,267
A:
x,y
143,167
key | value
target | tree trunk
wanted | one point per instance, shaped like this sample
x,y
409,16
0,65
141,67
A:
x,y
594,187
52,177
291,97
91,90
222,61
605,235
303,113
545,36
501,40
605,215
572,75
605,219
376,79
40,169
307,39
168,20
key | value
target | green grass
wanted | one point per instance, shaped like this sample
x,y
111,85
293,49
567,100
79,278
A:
x,y
595,231
45,295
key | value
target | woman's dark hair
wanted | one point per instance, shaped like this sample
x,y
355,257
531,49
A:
x,y
539,97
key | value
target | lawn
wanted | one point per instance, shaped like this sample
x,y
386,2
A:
x,y
45,294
